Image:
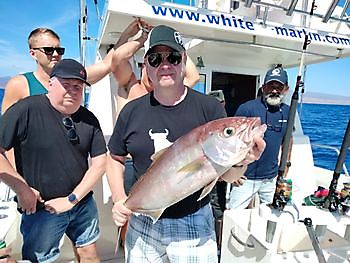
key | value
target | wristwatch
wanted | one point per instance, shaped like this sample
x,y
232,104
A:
x,y
288,164
73,199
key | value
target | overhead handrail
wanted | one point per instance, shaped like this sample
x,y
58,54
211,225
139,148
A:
x,y
334,149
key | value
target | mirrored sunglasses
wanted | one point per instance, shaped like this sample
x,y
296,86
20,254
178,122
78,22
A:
x,y
71,132
155,59
50,50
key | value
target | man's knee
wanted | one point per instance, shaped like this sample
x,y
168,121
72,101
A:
x,y
88,253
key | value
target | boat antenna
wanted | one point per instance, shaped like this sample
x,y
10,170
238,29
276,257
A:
x,y
332,201
281,196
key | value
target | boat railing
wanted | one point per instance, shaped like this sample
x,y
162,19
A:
x,y
334,149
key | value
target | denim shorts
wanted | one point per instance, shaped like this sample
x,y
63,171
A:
x,y
241,196
187,239
43,231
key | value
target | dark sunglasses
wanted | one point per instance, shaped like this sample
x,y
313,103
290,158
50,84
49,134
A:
x,y
49,50
155,59
71,132
269,87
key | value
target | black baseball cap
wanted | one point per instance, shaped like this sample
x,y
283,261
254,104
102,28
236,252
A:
x,y
69,69
164,35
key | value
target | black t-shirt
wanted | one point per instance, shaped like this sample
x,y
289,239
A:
x,y
45,157
145,118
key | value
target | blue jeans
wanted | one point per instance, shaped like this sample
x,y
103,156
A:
x,y
187,239
240,196
43,231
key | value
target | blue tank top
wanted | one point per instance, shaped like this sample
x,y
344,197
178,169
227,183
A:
x,y
35,87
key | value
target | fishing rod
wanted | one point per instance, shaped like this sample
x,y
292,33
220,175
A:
x,y
332,200
281,196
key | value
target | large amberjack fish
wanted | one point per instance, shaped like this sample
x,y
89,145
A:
x,y
194,161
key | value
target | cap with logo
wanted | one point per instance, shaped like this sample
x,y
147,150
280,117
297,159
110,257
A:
x,y
276,74
164,35
69,69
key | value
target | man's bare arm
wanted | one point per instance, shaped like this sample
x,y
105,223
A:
x,y
121,68
16,89
191,73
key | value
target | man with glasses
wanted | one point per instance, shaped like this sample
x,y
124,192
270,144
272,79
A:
x,y
45,49
185,231
53,136
260,177
130,86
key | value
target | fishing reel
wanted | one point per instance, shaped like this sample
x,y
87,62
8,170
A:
x,y
283,194
339,201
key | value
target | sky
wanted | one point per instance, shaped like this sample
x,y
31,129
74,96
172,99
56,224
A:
x,y
19,17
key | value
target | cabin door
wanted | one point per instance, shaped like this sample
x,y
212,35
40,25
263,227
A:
x,y
237,89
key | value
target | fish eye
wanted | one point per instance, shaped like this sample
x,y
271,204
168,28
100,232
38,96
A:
x,y
229,131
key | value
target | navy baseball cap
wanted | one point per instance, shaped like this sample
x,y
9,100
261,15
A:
x,y
164,35
69,69
276,74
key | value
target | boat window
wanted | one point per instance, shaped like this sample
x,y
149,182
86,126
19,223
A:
x,y
237,89
201,84
183,2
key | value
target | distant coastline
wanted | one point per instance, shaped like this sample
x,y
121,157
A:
x,y
323,98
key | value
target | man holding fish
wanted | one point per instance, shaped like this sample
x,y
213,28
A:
x,y
170,219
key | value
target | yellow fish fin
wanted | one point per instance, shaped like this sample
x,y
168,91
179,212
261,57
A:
x,y
207,189
191,167
156,155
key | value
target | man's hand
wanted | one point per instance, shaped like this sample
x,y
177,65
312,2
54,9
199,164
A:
x,y
5,255
120,213
236,174
27,199
256,151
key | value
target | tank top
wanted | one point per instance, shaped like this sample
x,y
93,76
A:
x,y
35,87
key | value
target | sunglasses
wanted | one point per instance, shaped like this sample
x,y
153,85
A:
x,y
50,50
71,132
155,59
269,87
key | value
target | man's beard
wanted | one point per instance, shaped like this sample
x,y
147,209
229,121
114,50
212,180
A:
x,y
274,99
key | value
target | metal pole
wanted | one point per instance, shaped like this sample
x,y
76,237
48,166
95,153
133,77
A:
x,y
279,199
82,31
314,240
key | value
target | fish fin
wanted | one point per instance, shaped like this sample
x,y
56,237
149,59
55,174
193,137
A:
x,y
207,189
156,155
153,214
192,167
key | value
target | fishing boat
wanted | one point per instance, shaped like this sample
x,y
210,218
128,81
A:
x,y
233,43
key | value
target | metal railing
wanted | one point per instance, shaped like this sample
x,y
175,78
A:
x,y
334,149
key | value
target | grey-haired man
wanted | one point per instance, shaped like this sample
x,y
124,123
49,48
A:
x,y
260,177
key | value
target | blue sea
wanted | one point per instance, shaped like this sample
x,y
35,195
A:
x,y
1,95
326,124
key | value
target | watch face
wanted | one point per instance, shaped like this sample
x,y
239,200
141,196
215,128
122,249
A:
x,y
72,198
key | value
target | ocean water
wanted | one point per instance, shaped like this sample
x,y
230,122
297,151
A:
x,y
326,125
1,95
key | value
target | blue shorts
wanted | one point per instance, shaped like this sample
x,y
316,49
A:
x,y
43,231
187,239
